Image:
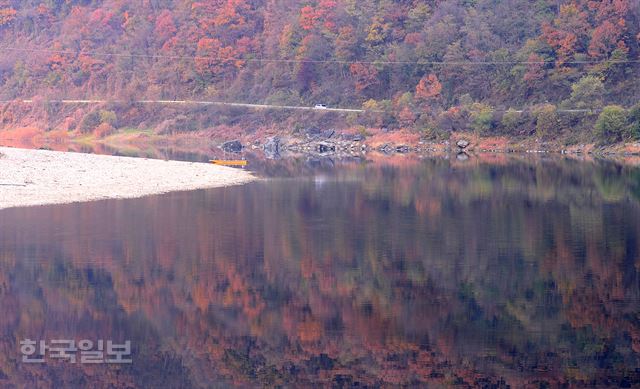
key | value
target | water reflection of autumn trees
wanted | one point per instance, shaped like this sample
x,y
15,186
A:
x,y
519,273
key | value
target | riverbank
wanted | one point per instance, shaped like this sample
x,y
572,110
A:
x,y
310,139
391,142
39,177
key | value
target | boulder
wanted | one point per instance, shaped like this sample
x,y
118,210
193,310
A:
x,y
272,147
462,143
326,147
316,133
328,133
313,132
272,144
233,146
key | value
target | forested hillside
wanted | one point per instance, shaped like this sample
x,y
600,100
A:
x,y
427,66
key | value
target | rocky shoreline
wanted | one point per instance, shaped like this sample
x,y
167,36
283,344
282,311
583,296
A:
x,y
330,142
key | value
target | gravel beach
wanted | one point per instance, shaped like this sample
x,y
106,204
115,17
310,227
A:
x,y
39,177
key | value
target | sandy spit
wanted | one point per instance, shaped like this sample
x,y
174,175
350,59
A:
x,y
39,177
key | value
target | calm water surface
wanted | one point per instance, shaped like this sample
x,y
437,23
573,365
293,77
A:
x,y
520,273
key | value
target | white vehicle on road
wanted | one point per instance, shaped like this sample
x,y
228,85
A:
x,y
320,106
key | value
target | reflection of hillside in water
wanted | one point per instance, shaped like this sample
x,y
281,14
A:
x,y
409,273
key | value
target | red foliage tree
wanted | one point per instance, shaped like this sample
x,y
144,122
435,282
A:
x,y
609,9
59,60
165,27
535,69
605,38
323,15
308,17
231,13
326,15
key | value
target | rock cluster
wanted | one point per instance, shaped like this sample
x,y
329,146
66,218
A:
x,y
233,146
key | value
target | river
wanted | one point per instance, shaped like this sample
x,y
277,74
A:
x,y
518,271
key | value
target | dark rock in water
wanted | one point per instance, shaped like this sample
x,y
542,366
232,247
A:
x,y
314,162
272,147
402,149
385,148
462,156
463,144
233,146
323,163
352,159
325,147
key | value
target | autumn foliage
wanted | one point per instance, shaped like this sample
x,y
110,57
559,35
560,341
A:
x,y
436,55
365,76
7,15
428,88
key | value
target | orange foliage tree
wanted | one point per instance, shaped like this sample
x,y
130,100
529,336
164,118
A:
x,y
7,15
568,32
365,76
429,88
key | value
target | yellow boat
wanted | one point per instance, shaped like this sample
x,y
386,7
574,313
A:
x,y
229,162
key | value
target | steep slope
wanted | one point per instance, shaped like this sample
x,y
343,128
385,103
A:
x,y
431,66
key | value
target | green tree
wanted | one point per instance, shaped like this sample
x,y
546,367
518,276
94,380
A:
x,y
611,123
90,121
547,120
481,117
587,93
634,122
511,120
108,117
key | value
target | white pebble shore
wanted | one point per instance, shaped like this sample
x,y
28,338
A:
x,y
39,177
